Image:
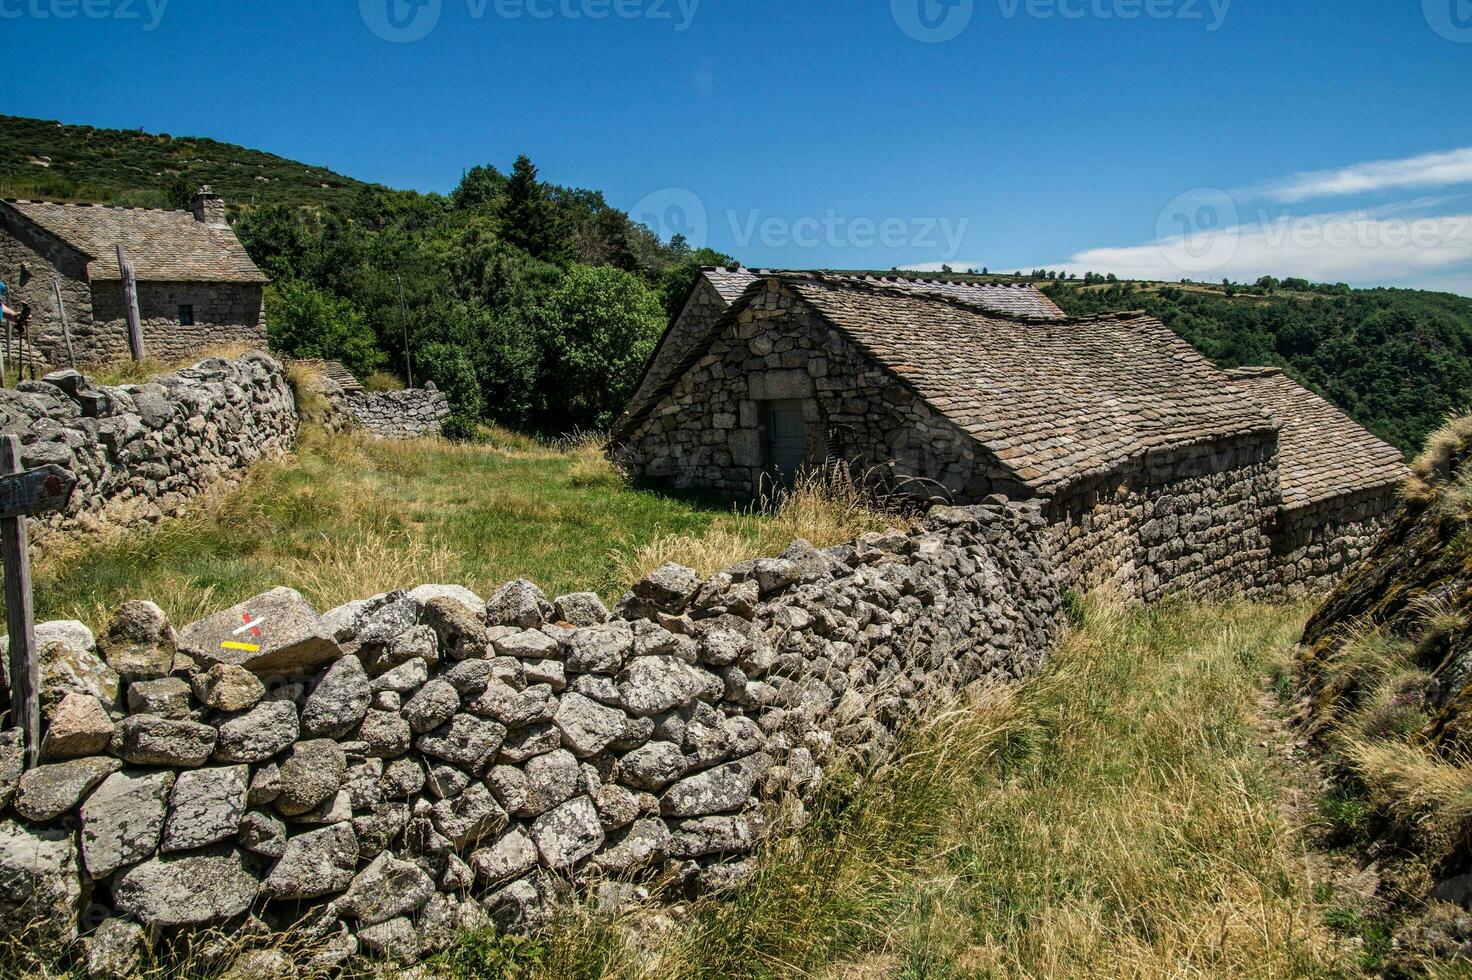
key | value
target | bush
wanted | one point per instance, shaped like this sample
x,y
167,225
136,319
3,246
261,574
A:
x,y
303,321
452,373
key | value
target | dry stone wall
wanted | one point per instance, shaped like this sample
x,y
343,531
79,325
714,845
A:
x,y
421,762
141,452
400,414
1314,546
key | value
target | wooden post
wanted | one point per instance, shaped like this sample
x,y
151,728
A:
x,y
25,676
22,492
130,303
66,333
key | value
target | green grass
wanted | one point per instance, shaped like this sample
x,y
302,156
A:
x,y
1114,817
346,518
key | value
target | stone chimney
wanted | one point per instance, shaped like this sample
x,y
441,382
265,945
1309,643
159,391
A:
x,y
209,208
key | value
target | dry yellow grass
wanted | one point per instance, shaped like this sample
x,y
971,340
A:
x,y
136,372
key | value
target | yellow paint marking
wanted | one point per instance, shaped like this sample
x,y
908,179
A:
x,y
247,647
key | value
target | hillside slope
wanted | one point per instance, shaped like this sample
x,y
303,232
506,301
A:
x,y
48,160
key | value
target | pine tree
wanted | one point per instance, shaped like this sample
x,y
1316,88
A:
x,y
529,219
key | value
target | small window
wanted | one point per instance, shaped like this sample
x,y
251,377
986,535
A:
x,y
186,316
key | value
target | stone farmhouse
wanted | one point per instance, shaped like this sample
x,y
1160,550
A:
x,y
197,286
1159,473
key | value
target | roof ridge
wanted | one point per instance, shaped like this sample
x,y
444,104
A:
x,y
885,288
90,204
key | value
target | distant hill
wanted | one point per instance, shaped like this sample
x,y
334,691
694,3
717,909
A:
x,y
45,159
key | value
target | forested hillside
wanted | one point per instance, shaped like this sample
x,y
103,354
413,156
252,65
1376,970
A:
x,y
1398,360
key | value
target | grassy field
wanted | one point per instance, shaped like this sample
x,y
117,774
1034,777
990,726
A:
x,y
347,517
1115,817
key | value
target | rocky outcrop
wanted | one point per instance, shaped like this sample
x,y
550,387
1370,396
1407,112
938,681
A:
x,y
141,452
419,762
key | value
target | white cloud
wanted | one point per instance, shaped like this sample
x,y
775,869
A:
x,y
1357,247
1429,170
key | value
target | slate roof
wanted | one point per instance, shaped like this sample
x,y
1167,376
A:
x,y
1322,453
163,246
1022,299
1056,400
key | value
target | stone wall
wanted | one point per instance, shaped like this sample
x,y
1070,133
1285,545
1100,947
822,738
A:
x,y
422,762
46,260
1191,521
224,313
1314,546
141,452
406,414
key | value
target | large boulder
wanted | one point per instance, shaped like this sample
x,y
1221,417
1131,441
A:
x,y
40,890
386,889
185,890
274,633
206,807
258,734
68,663
122,820
316,863
339,702
568,834
719,790
147,740
47,792
80,726
228,688
139,643
311,775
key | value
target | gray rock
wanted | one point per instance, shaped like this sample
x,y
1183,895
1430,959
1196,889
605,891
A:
x,y
427,594
363,782
386,889
67,662
527,645
652,766
599,649
652,685
79,726
446,782
465,819
147,740
581,609
524,906
327,956
394,940
416,643
316,863
116,950
568,834
47,792
403,778
458,627
139,642
259,734
342,621
265,785
717,790
527,743
643,844
406,678
386,734
228,688
669,587
617,806
386,617
551,673
587,727
40,891
508,857
167,697
509,785
185,890
292,638
722,648
378,830
206,806
336,809
690,839
520,604
434,704
469,677
263,834
447,917
511,707
122,820
339,702
467,742
12,764
310,776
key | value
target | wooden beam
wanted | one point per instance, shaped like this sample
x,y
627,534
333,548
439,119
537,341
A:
x,y
66,332
25,676
130,303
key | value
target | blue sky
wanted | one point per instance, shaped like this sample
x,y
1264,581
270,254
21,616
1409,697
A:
x,y
1160,138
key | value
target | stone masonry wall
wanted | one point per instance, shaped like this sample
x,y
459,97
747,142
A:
x,y
45,259
142,451
223,313
1187,522
401,414
855,411
1313,546
423,762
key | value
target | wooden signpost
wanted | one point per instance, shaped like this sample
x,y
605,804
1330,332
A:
x,y
24,492
130,305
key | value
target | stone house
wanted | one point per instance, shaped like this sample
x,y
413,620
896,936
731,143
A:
x,y
197,286
1159,473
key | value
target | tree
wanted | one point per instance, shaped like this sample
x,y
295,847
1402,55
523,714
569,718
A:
x,y
304,321
599,326
529,220
479,187
451,371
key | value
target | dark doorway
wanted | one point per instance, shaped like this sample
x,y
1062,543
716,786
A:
x,y
787,445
